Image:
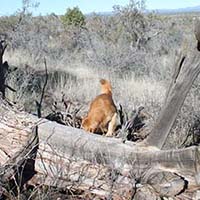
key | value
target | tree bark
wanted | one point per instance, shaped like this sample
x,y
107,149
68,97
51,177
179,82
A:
x,y
18,149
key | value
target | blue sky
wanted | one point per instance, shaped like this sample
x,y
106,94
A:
x,y
59,6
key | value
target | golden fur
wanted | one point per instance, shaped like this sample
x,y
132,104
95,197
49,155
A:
x,y
102,113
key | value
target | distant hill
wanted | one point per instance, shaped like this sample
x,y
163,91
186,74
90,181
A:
x,y
179,10
161,11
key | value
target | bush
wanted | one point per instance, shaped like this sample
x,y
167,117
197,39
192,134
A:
x,y
73,17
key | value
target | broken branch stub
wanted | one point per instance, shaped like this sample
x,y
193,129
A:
x,y
185,73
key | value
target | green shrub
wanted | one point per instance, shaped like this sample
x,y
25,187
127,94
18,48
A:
x,y
73,17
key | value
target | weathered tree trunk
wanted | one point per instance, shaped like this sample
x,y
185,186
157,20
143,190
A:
x,y
71,158
187,68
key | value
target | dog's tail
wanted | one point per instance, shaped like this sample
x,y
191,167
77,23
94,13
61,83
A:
x,y
105,87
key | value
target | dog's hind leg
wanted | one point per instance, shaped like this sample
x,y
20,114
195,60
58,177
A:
x,y
112,125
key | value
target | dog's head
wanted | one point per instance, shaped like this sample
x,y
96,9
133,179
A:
x,y
105,87
85,124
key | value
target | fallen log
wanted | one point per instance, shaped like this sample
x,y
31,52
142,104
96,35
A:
x,y
71,158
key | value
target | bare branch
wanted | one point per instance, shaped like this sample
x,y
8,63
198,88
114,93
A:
x,y
39,104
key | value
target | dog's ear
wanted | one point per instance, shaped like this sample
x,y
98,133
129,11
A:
x,y
105,87
103,81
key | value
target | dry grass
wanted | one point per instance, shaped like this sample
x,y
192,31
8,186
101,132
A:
x,y
80,83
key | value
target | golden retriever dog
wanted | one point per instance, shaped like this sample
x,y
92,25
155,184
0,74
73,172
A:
x,y
102,113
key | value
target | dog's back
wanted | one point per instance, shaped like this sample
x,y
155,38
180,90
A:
x,y
102,112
